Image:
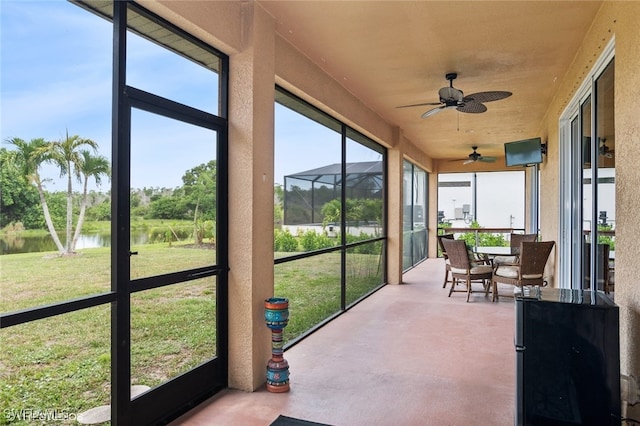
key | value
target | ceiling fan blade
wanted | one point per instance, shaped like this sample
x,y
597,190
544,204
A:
x,y
433,111
483,97
472,107
469,161
422,104
488,159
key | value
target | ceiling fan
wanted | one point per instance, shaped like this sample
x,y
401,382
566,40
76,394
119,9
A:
x,y
476,156
450,97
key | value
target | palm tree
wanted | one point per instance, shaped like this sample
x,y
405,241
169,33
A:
x,y
65,154
29,156
90,166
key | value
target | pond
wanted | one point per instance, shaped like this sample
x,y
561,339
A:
x,y
13,244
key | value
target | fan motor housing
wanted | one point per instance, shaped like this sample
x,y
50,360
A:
x,y
448,94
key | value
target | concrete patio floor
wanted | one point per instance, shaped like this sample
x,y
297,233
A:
x,y
407,355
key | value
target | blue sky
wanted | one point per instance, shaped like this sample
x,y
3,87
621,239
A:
x,y
45,88
56,77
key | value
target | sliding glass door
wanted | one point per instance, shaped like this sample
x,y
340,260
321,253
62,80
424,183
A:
x,y
588,163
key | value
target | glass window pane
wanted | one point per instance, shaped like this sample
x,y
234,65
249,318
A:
x,y
606,201
173,329
307,167
185,77
585,111
364,183
56,93
419,198
407,196
467,199
587,192
364,270
606,158
419,249
311,177
58,366
407,220
312,286
415,215
455,195
495,210
407,250
173,195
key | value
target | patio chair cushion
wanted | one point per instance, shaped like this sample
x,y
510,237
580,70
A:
x,y
478,269
512,272
504,259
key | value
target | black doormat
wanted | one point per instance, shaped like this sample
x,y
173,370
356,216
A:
x,y
290,421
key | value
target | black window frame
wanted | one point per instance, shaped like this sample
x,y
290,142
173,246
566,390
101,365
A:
x,y
163,403
299,105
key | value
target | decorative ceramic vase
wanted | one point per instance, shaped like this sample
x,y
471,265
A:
x,y
276,315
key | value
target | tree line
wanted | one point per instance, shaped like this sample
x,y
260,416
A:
x,y
25,202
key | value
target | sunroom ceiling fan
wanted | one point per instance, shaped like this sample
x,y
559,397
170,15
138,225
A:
x,y
450,97
476,156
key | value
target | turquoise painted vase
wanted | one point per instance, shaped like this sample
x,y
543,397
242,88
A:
x,y
276,312
276,316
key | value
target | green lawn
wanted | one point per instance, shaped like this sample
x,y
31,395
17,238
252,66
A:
x,y
63,362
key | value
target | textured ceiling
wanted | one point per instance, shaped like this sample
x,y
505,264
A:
x,y
392,53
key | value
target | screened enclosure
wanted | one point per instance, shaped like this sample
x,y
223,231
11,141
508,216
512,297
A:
x,y
312,197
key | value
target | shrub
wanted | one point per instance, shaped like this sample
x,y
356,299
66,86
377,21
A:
x,y
13,228
324,241
167,234
372,248
311,240
484,239
205,230
284,241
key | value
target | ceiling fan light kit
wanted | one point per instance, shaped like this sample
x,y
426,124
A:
x,y
450,97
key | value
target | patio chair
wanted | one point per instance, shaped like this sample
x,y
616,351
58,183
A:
x,y
514,243
603,267
447,270
528,270
464,268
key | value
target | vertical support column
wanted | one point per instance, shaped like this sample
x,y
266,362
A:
x,y
395,203
627,133
251,156
432,224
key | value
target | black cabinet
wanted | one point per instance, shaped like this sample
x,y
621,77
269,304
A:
x,y
567,358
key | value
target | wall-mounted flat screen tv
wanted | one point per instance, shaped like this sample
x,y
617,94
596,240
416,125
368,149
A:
x,y
523,153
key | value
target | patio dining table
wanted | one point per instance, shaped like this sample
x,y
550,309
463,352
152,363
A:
x,y
488,253
492,251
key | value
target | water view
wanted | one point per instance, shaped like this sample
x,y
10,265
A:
x,y
14,244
